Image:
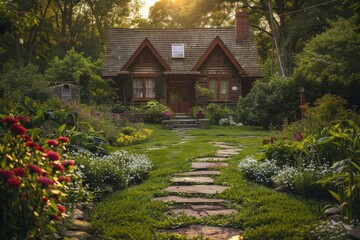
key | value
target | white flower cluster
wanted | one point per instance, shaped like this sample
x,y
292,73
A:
x,y
258,171
285,177
119,168
332,230
229,121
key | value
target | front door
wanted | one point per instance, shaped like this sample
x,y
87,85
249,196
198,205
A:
x,y
179,98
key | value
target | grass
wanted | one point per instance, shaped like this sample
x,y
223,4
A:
x,y
263,213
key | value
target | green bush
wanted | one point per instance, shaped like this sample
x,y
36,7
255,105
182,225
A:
x,y
118,108
269,103
154,111
217,112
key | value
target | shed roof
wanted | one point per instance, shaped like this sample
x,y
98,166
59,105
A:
x,y
122,44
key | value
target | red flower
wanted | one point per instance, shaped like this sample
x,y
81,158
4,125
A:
x,y
64,139
53,155
44,199
58,166
52,142
21,172
64,179
27,138
55,197
34,169
13,182
6,173
55,217
61,208
16,128
44,181
9,120
67,163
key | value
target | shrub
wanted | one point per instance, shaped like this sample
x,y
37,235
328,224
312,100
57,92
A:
x,y
154,111
258,171
217,112
269,103
130,135
285,177
118,108
118,169
331,230
34,181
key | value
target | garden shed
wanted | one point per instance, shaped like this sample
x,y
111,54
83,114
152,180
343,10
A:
x,y
66,92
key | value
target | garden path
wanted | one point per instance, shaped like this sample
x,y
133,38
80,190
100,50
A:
x,y
187,186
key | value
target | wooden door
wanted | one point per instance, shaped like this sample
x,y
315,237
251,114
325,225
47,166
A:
x,y
179,98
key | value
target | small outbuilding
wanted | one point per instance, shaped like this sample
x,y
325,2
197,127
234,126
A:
x,y
66,92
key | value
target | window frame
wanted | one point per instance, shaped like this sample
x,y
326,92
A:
x,y
143,78
175,47
218,80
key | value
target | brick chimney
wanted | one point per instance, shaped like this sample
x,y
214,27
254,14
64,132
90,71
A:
x,y
242,24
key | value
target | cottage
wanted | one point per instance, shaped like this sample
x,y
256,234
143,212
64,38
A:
x,y
165,64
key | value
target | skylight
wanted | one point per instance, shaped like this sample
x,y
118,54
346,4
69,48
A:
x,y
177,50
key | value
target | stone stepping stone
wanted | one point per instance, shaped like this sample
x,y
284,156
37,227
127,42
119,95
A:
x,y
207,165
226,145
196,189
208,232
211,159
199,173
193,200
200,211
77,234
202,180
228,151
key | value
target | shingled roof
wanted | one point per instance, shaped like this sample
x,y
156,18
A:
x,y
122,43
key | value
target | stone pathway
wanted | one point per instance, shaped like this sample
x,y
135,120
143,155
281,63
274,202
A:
x,y
200,182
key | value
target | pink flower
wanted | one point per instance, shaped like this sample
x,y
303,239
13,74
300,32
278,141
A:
x,y
58,167
61,208
52,155
298,136
44,181
21,172
64,139
67,163
34,169
13,182
64,179
27,138
6,173
52,142
16,128
9,120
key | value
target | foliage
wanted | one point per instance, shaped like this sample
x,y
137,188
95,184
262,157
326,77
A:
x,y
217,111
119,169
328,63
118,108
229,121
204,92
35,181
260,172
269,103
154,111
18,84
130,135
77,69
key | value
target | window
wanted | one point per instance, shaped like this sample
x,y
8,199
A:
x,y
177,50
144,87
220,87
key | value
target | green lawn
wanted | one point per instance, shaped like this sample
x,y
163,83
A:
x,y
263,213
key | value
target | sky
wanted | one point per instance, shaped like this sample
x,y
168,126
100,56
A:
x,y
145,9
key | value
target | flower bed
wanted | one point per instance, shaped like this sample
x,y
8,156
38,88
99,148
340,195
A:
x,y
35,181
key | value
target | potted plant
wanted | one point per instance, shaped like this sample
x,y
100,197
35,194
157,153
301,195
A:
x,y
200,114
166,115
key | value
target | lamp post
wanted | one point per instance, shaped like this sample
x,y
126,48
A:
x,y
302,100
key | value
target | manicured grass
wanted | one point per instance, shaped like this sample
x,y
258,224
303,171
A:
x,y
263,213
